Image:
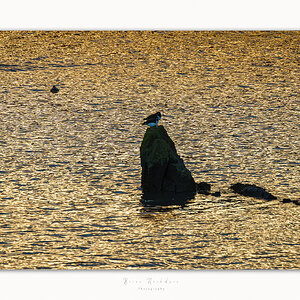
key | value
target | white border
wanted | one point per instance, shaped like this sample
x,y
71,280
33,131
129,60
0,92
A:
x,y
206,285
149,15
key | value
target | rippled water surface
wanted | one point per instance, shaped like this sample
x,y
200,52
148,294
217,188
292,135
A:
x,y
70,167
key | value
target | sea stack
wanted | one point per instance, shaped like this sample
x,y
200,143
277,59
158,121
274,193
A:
x,y
162,168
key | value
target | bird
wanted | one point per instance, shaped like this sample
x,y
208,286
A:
x,y
54,89
152,120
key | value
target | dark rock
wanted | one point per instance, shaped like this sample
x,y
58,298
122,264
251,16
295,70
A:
x,y
203,188
150,199
252,190
162,168
216,194
286,200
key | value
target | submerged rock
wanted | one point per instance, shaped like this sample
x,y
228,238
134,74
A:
x,y
286,200
203,188
216,194
162,168
252,190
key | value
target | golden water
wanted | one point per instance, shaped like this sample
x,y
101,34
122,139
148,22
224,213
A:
x,y
70,168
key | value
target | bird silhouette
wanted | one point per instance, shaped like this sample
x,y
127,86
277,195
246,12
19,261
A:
x,y
54,90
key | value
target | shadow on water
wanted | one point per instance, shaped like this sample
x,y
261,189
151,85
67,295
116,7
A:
x,y
166,199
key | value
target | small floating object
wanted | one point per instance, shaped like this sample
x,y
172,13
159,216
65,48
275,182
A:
x,y
54,90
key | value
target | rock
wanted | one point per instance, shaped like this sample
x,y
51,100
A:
x,y
286,200
150,199
203,188
252,191
216,194
162,168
